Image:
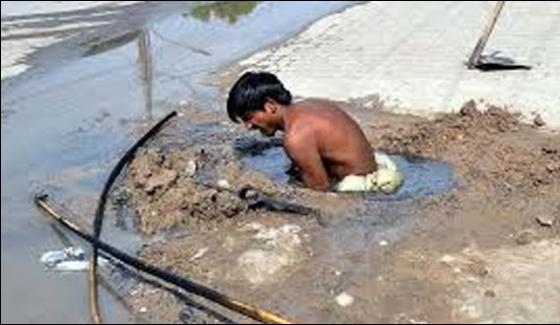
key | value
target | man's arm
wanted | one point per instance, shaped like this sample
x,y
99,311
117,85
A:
x,y
304,153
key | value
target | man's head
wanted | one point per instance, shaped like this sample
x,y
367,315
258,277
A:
x,y
257,99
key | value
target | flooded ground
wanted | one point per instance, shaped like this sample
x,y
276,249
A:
x,y
66,120
436,251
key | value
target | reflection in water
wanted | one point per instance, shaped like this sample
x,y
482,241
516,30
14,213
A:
x,y
145,60
104,45
226,10
145,69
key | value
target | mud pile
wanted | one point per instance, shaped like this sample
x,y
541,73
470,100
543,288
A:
x,y
486,146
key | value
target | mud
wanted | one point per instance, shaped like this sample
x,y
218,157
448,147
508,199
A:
x,y
441,257
177,185
484,146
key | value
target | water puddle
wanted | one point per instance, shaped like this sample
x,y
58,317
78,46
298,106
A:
x,y
272,162
423,177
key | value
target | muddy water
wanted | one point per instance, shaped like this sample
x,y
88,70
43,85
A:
x,y
64,126
423,177
272,162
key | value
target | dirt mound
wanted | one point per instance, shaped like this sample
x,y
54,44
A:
x,y
489,147
166,194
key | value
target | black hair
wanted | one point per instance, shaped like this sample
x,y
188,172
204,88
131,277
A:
x,y
252,90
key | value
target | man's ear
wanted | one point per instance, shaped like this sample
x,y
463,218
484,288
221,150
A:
x,y
270,106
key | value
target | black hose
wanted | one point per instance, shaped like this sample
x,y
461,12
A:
x,y
100,212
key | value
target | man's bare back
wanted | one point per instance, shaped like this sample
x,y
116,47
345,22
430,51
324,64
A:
x,y
323,140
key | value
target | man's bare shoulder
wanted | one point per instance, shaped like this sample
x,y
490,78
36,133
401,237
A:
x,y
317,104
299,132
321,114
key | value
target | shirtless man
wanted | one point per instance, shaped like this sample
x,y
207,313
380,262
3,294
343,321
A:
x,y
321,140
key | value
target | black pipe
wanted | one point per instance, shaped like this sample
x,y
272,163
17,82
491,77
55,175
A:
x,y
100,212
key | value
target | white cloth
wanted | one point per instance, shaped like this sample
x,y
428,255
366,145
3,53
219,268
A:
x,y
386,178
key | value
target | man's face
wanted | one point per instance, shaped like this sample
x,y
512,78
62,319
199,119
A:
x,y
262,120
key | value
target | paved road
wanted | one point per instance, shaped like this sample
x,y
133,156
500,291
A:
x,y
411,54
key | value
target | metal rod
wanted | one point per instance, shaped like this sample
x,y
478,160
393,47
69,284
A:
x,y
477,51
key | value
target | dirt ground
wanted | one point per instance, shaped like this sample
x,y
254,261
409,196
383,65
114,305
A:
x,y
486,251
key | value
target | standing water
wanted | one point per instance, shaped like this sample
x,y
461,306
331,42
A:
x,y
67,119
423,177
